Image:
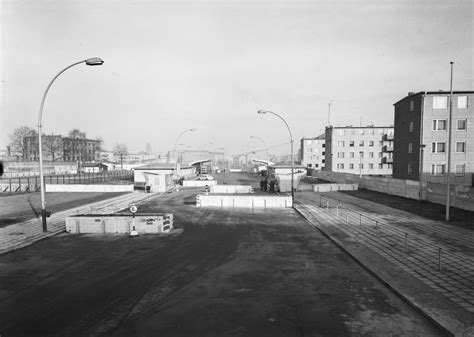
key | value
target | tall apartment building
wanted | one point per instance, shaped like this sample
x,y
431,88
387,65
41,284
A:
x,y
421,137
312,152
359,150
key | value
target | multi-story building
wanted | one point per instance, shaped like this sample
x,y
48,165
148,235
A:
x,y
312,152
421,137
56,147
359,150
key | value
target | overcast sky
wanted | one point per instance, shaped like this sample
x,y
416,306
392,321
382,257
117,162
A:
x,y
173,65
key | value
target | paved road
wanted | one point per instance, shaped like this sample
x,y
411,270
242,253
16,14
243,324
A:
x,y
229,273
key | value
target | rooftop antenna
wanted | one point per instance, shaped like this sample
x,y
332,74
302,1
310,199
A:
x,y
329,113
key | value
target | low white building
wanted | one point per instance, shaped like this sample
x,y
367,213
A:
x,y
159,176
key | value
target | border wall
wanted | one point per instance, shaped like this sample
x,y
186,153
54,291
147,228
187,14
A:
x,y
461,196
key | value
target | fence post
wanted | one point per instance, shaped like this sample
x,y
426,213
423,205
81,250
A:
x,y
360,220
327,205
337,209
10,184
19,183
376,228
320,201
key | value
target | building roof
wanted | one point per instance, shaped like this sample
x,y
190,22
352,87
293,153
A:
x,y
440,92
284,166
359,127
320,137
159,166
92,165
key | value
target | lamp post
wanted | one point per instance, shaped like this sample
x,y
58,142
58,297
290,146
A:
x,y
361,153
448,175
264,144
202,149
420,174
263,112
94,61
174,150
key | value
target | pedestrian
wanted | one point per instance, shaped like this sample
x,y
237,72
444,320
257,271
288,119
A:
x,y
265,184
262,182
272,186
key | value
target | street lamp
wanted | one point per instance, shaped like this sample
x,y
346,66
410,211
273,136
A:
x,y
448,175
174,150
264,144
361,153
202,150
263,112
94,61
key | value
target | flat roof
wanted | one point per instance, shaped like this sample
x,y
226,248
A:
x,y
159,166
440,92
322,136
360,127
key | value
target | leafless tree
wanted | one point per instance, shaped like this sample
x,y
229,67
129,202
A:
x,y
120,150
17,139
53,146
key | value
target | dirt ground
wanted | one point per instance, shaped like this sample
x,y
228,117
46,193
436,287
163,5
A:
x,y
230,272
21,207
458,217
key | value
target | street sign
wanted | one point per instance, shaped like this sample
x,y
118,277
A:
x,y
133,209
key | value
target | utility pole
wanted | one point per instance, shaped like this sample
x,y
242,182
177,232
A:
x,y
329,113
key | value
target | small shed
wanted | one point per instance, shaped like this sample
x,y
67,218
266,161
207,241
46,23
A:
x,y
93,167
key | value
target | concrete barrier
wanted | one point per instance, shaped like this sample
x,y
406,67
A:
x,y
231,189
120,223
462,196
88,188
243,201
199,183
334,187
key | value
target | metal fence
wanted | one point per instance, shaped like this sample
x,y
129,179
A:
x,y
32,183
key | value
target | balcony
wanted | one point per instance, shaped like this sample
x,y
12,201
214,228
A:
x,y
387,148
386,160
387,137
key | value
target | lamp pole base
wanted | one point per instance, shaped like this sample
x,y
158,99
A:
x,y
43,217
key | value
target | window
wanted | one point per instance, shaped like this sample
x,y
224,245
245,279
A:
x,y
324,145
361,154
371,166
323,161
412,106
371,143
340,143
340,155
462,102
460,147
309,165
362,132
438,169
351,166
316,165
410,169
371,155
410,147
461,125
410,127
361,166
361,143
440,102
380,154
439,124
323,153
340,166
351,154
460,169
380,166
351,143
438,147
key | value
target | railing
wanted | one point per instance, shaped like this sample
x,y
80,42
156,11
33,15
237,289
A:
x,y
32,183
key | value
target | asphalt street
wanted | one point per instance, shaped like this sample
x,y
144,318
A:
x,y
224,273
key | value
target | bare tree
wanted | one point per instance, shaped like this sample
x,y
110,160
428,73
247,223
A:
x,y
17,139
120,150
76,133
53,146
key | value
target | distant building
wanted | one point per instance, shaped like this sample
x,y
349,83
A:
x,y
359,150
56,147
312,152
421,137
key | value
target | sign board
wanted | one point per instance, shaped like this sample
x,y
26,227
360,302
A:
x,y
133,209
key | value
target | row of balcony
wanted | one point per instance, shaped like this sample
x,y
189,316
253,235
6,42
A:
x,y
388,137
386,160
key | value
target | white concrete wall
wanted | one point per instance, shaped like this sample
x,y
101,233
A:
x,y
88,188
284,181
199,183
100,224
334,187
247,201
461,196
231,189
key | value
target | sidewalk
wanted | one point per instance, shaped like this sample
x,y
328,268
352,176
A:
x,y
429,263
25,233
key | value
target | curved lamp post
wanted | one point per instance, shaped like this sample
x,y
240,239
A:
x,y
263,112
94,61
174,150
264,144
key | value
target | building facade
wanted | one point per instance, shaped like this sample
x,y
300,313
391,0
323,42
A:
x,y
56,147
421,137
359,150
312,152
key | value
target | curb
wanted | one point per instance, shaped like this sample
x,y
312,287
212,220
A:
x,y
367,268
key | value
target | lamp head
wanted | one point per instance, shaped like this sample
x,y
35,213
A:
x,y
193,129
94,61
262,112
